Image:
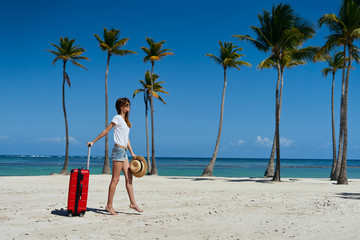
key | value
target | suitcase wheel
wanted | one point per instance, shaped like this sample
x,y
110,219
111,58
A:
x,y
81,214
70,214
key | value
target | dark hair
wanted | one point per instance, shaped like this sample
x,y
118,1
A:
x,y
120,103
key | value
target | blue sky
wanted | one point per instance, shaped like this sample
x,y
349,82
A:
x,y
30,86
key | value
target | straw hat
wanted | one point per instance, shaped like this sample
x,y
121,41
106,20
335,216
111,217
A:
x,y
138,166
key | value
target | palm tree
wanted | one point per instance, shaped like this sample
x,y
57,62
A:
x,y
334,63
154,53
112,45
146,89
286,62
345,29
228,58
66,51
281,33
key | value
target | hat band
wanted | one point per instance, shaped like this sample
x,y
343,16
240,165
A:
x,y
140,167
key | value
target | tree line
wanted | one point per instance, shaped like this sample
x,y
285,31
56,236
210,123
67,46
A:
x,y
281,34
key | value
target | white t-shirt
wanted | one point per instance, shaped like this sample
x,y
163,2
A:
x,y
121,131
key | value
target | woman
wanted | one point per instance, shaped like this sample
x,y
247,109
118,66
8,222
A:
x,y
121,125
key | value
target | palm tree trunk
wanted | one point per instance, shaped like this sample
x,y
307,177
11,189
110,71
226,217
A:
x,y
270,168
277,128
208,171
333,128
270,171
153,164
343,173
64,170
341,134
106,167
339,155
147,132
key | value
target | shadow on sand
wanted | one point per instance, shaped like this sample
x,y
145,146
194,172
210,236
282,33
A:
x,y
354,196
64,213
258,180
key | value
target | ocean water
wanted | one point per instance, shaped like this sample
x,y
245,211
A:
x,y
171,166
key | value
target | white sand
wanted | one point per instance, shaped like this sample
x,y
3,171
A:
x,y
183,208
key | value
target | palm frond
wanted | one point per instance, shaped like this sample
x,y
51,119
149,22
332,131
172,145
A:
x,y
163,91
162,100
242,63
68,51
58,48
155,51
333,41
120,43
267,63
326,71
307,53
332,21
138,91
150,41
146,86
98,39
67,79
78,64
280,32
214,58
124,52
295,63
80,58
166,54
53,52
228,56
55,60
356,33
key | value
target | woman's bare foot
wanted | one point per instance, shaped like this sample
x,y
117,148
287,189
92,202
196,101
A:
x,y
111,210
135,207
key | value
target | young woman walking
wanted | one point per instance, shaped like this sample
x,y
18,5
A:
x,y
121,125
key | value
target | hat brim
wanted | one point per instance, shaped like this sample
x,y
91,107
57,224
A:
x,y
143,170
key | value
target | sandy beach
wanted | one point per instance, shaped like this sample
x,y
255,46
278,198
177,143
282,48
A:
x,y
183,208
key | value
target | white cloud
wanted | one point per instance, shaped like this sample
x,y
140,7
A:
x,y
4,137
57,139
286,142
72,139
50,140
264,141
238,143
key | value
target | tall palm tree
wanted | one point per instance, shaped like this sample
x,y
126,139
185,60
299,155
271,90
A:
x,y
334,63
345,30
228,58
286,62
66,51
146,89
154,53
281,33
111,44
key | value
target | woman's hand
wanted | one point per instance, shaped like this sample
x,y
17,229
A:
x,y
90,144
133,155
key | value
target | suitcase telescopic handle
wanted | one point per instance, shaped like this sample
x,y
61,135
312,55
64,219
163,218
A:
x,y
81,188
88,157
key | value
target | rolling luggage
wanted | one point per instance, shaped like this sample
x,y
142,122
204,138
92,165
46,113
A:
x,y
78,190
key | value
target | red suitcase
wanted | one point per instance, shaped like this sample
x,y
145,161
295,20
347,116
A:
x,y
78,190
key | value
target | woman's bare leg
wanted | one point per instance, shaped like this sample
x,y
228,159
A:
x,y
117,167
129,186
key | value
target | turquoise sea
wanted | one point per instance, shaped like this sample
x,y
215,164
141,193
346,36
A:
x,y
175,166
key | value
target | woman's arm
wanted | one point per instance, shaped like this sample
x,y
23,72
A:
x,y
130,149
103,133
